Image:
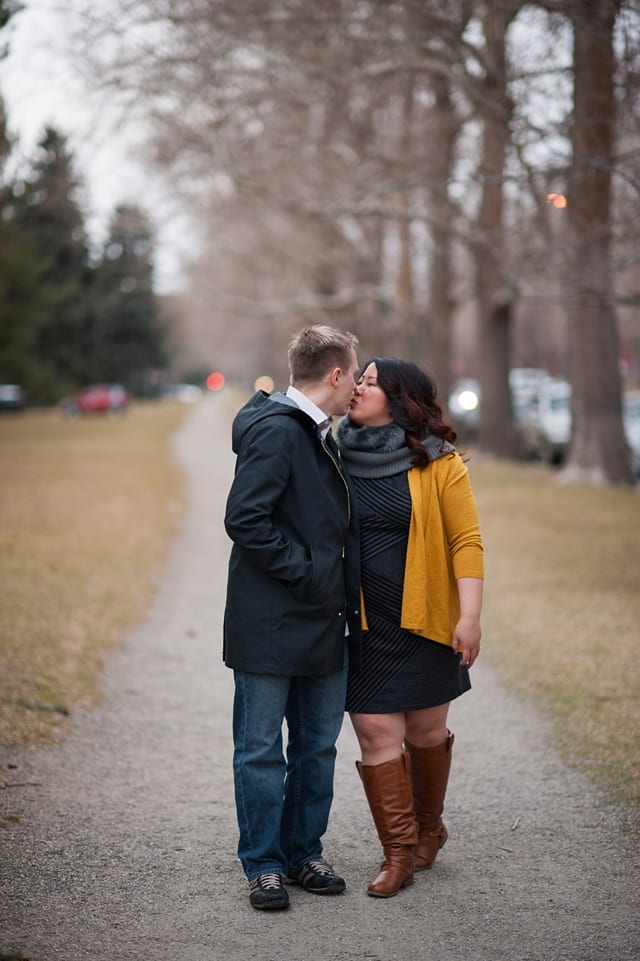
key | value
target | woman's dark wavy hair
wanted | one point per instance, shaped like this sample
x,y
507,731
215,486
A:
x,y
412,395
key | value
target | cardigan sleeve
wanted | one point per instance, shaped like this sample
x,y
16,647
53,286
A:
x,y
444,545
460,518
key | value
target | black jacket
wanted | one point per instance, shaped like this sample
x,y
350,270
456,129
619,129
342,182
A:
x,y
294,570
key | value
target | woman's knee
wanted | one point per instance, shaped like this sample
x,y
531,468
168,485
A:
x,y
427,728
380,736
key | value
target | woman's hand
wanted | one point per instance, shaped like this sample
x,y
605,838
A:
x,y
467,633
466,640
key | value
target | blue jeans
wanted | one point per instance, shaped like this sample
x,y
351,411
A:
x,y
283,805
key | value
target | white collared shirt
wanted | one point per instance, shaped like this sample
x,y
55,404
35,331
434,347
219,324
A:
x,y
308,407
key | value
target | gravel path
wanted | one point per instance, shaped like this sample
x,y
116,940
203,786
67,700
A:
x,y
126,844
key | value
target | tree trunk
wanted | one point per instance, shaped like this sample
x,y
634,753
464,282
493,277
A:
x,y
444,127
371,319
496,433
598,451
405,290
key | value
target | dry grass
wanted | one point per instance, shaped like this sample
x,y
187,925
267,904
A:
x,y
562,612
88,508
87,511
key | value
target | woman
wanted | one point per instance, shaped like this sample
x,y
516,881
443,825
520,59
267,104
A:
x,y
422,570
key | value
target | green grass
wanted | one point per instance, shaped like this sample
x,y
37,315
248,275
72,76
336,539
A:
x,y
562,612
88,508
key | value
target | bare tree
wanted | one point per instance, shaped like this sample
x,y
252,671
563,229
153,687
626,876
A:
x,y
309,110
598,449
495,292
444,127
325,146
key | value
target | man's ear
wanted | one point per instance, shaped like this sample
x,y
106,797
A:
x,y
335,376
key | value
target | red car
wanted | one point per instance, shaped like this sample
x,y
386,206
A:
x,y
97,399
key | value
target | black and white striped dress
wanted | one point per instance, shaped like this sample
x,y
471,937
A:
x,y
401,671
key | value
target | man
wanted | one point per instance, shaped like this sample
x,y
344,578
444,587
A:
x,y
292,599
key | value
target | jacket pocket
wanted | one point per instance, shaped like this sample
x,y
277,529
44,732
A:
x,y
326,586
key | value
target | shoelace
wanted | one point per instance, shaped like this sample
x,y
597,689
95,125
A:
x,y
266,881
321,867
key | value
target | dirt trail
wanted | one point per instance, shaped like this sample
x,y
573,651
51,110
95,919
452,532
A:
x,y
126,846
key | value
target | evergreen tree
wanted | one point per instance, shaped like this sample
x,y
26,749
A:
x,y
24,308
25,300
129,337
47,210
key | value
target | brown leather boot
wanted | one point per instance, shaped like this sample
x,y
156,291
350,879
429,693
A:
x,y
429,776
388,790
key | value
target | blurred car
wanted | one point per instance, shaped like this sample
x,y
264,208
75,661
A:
x,y
465,396
464,404
525,383
97,399
545,423
12,397
527,379
631,421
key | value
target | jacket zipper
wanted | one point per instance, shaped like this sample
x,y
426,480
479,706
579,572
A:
x,y
337,467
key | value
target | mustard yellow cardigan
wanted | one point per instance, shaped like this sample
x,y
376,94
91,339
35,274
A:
x,y
444,544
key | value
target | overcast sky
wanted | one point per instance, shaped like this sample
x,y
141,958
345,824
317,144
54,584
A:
x,y
39,86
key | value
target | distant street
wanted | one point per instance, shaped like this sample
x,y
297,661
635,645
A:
x,y
125,847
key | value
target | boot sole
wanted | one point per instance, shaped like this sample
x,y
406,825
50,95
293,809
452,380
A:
x,y
392,894
271,906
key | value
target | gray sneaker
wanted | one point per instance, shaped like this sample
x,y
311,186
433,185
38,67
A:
x,y
268,893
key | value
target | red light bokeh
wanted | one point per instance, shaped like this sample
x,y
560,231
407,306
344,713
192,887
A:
x,y
215,381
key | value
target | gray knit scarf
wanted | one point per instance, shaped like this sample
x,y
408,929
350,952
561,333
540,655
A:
x,y
382,451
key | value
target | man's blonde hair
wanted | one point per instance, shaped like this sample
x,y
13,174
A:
x,y
314,351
